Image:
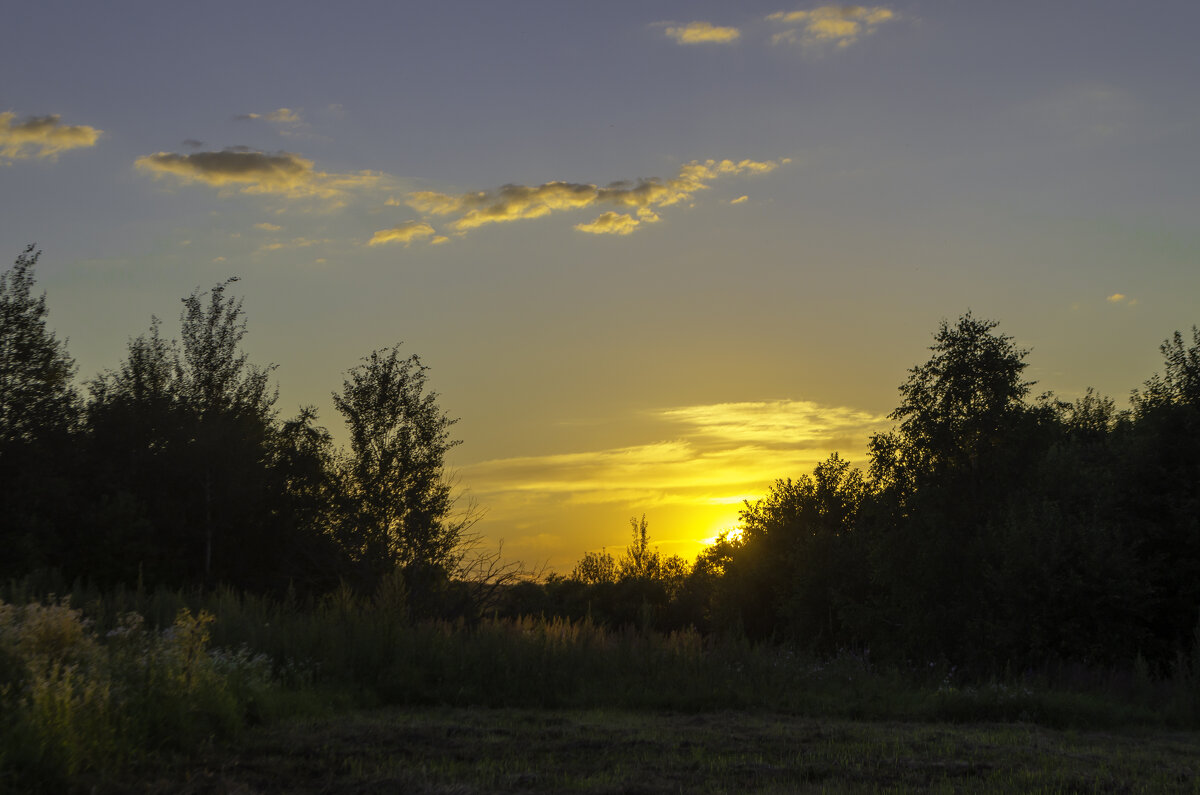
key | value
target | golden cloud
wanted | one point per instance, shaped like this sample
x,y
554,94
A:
x,y
523,202
610,223
254,172
404,233
839,25
728,452
42,136
268,227
703,33
1116,298
740,200
776,422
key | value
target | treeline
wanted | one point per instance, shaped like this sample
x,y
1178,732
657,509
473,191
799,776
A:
x,y
175,470
992,530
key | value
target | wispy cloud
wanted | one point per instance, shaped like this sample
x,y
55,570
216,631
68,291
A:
x,y
280,116
712,455
294,243
838,25
774,422
242,170
740,200
403,233
42,136
702,33
523,202
266,227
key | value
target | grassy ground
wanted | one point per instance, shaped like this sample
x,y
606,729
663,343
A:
x,y
457,750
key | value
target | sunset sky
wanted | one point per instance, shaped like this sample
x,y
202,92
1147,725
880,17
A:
x,y
655,254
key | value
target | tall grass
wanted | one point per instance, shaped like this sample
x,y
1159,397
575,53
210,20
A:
x,y
89,692
78,703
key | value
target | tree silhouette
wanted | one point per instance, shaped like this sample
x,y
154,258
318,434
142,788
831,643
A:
x,y
39,411
36,395
956,409
186,431
595,568
400,501
640,561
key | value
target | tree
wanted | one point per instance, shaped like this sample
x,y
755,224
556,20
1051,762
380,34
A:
x,y
395,481
186,430
966,444
595,568
36,394
1160,482
794,566
639,562
956,409
1179,384
39,411
230,406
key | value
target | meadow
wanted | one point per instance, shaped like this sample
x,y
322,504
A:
x,y
227,692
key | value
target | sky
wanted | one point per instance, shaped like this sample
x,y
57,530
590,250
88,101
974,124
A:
x,y
656,255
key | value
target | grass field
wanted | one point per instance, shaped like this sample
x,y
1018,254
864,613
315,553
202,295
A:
x,y
221,693
456,750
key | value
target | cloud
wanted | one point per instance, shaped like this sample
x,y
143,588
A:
x,y
404,233
702,33
720,454
244,170
294,243
776,422
280,116
831,24
740,200
523,202
610,223
42,136
268,227
1116,298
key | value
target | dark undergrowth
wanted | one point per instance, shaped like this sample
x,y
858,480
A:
x,y
95,685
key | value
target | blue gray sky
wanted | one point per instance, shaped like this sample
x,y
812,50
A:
x,y
656,255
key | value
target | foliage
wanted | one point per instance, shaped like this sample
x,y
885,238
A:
x,y
793,568
137,677
640,561
36,394
595,568
185,431
993,530
400,500
39,413
79,705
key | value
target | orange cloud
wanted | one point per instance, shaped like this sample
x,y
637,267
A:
x,y
523,202
831,24
42,136
404,233
702,33
610,223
